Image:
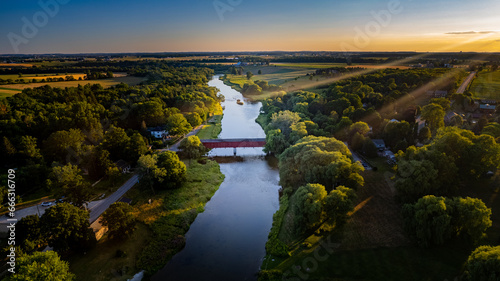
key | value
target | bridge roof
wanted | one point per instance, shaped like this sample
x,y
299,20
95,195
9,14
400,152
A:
x,y
233,140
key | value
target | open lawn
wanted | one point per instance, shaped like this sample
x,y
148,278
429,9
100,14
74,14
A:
x,y
486,85
102,263
212,129
106,83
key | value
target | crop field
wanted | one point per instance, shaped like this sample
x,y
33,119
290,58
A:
x,y
9,90
487,85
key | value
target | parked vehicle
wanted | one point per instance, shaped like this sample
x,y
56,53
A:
x,y
48,204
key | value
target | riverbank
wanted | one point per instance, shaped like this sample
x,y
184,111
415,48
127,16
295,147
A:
x,y
160,231
237,82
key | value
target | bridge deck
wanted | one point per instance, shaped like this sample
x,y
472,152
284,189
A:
x,y
223,143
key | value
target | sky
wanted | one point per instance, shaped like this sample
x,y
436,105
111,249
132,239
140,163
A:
x,y
114,26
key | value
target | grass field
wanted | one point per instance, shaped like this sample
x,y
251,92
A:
x,y
101,263
6,92
9,90
486,85
212,129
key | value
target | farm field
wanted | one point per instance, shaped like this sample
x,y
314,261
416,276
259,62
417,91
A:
x,y
38,77
9,90
486,85
6,92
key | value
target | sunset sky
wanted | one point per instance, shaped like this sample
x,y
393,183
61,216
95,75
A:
x,y
91,26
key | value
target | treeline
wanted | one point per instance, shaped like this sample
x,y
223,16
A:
x,y
374,99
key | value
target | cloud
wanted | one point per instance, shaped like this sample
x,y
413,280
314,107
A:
x,y
470,32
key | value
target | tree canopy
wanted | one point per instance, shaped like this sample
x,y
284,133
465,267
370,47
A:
x,y
42,266
326,161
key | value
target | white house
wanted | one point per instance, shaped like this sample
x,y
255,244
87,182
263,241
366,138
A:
x,y
158,132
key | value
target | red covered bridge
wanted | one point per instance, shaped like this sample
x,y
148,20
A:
x,y
223,143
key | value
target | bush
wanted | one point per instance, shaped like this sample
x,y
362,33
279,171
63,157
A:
x,y
274,246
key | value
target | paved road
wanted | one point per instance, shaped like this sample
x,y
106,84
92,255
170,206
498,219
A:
x,y
175,147
99,208
466,83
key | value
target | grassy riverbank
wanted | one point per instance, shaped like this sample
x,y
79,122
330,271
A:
x,y
160,231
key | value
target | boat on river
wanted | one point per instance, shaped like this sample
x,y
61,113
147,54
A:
x,y
239,102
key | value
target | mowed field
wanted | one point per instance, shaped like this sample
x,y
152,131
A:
x,y
487,85
9,90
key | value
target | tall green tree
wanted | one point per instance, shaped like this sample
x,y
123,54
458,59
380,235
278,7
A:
x,y
64,146
326,161
119,220
483,264
42,266
68,181
192,148
67,228
178,125
434,115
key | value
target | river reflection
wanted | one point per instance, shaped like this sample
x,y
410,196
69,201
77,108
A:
x,y
227,241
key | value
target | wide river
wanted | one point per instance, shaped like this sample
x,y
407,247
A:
x,y
227,241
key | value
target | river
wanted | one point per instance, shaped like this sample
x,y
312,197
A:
x,y
227,241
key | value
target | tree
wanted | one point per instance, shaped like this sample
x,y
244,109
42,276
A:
x,y
434,115
28,148
471,217
163,170
416,179
42,266
119,220
68,181
194,119
492,129
178,125
29,235
424,134
283,120
136,147
67,228
307,204
428,221
64,146
326,161
338,203
116,141
97,162
259,72
483,264
369,148
249,75
434,220
170,171
192,148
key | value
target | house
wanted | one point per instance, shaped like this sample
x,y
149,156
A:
x,y
158,132
487,108
379,144
123,166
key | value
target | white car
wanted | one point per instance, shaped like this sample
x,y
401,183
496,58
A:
x,y
47,204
